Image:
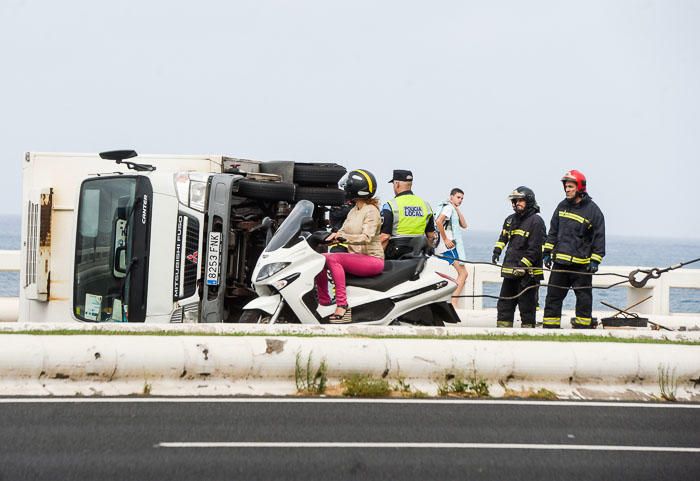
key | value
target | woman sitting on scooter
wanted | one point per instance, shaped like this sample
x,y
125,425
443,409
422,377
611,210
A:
x,y
360,231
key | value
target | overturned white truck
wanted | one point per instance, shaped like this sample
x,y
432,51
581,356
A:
x,y
154,238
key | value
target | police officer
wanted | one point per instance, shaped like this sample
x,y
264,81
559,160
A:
x,y
524,233
576,242
405,217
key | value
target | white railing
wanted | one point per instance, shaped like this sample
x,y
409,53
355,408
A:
x,y
659,289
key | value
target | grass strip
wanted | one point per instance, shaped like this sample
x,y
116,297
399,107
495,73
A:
x,y
458,337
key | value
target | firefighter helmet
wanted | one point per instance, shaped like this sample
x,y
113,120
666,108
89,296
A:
x,y
360,184
526,193
578,178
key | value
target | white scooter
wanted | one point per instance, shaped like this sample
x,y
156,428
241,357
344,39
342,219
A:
x,y
407,291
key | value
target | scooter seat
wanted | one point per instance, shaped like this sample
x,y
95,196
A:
x,y
394,273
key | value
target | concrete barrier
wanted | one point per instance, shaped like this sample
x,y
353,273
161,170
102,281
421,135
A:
x,y
264,363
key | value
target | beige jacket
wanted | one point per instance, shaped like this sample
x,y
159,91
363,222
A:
x,y
361,229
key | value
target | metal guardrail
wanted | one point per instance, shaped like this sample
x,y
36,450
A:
x,y
479,275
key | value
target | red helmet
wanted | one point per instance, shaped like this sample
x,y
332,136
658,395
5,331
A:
x,y
577,177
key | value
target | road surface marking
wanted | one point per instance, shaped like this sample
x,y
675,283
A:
x,y
547,447
296,400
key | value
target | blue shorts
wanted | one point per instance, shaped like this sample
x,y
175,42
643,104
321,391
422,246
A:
x,y
451,256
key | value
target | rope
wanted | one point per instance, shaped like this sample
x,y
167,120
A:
x,y
653,273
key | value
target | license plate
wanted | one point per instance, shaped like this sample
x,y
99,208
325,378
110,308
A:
x,y
213,256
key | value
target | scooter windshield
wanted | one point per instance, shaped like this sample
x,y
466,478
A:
x,y
291,227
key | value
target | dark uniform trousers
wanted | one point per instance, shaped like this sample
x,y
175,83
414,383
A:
x,y
526,302
556,295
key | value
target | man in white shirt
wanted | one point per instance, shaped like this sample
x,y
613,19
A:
x,y
449,223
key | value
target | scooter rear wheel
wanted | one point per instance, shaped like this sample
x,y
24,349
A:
x,y
254,316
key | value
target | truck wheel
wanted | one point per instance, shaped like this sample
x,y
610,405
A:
x,y
256,189
321,195
254,316
318,174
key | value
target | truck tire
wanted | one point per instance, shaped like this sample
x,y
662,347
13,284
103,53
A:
x,y
318,174
321,195
261,190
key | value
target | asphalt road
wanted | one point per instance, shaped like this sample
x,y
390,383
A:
x,y
133,439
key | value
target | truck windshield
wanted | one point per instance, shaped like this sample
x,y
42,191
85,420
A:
x,y
291,227
111,249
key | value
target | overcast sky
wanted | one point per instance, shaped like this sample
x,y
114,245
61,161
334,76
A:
x,y
485,95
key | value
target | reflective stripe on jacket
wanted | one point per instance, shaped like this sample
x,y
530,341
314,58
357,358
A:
x,y
576,233
524,236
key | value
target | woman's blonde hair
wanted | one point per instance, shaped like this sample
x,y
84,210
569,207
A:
x,y
374,201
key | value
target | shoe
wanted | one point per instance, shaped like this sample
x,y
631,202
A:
x,y
527,326
504,324
550,326
344,318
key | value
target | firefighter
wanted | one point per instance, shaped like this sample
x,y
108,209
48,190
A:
x,y
405,218
524,233
576,242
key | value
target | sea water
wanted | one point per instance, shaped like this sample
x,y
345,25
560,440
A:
x,y
620,251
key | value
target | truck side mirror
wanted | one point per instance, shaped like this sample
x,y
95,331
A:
x,y
118,155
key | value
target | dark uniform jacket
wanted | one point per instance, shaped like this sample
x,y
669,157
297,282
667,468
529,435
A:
x,y
524,234
576,233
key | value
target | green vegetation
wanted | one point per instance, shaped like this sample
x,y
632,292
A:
x,y
403,389
542,393
309,381
364,385
457,386
146,389
668,383
281,333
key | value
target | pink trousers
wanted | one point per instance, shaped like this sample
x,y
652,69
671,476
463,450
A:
x,y
339,263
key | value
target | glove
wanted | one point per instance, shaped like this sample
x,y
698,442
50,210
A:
x,y
496,256
593,267
547,259
519,272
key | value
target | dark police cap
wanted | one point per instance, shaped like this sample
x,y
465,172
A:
x,y
402,175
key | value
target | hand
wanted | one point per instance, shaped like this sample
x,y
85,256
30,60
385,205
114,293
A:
x,y
450,244
547,259
519,272
331,237
593,267
496,256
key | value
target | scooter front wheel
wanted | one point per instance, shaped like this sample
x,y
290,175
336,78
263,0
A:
x,y
254,316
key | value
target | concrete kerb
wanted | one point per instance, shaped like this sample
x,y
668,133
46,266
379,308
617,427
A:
x,y
264,362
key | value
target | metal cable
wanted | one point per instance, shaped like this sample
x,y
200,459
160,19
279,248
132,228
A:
x,y
653,273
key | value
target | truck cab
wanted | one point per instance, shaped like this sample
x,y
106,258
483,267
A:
x,y
153,238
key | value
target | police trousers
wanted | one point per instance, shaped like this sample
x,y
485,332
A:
x,y
556,295
526,302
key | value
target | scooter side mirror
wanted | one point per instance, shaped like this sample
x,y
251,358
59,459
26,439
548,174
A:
x,y
267,225
307,223
317,238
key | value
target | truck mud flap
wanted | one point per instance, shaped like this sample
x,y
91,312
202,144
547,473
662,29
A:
x,y
218,216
